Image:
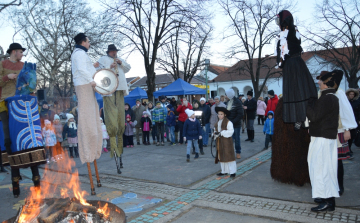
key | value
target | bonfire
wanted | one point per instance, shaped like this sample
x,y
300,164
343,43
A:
x,y
43,206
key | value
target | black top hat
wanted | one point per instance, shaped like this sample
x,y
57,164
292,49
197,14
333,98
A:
x,y
222,109
112,47
15,46
79,37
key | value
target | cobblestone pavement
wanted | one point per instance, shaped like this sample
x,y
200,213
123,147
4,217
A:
x,y
207,194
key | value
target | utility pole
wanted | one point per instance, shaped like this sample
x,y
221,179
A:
x,y
207,64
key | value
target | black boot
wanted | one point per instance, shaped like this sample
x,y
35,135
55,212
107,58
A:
x,y
327,205
196,156
252,135
36,180
2,169
340,176
249,135
16,185
121,163
202,151
76,150
71,150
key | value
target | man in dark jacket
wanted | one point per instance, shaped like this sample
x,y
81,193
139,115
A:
x,y
205,120
234,106
353,96
250,107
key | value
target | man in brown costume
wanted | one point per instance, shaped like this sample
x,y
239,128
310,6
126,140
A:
x,y
223,131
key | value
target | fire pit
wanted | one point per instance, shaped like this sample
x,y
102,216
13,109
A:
x,y
64,210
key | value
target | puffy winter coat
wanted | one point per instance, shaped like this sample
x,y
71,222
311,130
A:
x,y
261,107
171,118
138,114
236,112
251,108
181,109
269,125
206,114
192,130
272,103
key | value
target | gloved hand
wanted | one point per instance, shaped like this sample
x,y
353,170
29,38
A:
x,y
200,137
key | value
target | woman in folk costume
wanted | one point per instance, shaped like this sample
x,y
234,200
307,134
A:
x,y
323,155
290,141
347,122
298,84
225,153
89,131
114,103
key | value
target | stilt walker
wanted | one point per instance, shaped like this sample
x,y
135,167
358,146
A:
x,y
114,104
89,126
290,141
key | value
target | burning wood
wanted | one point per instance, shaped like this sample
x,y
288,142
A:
x,y
41,207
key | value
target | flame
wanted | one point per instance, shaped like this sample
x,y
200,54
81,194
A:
x,y
65,175
104,210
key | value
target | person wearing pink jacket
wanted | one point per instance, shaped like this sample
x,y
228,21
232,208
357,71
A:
x,y
260,111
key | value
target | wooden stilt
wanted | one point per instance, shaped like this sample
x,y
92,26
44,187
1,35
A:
x,y
91,180
97,174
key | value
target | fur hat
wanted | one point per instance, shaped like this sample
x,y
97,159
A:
x,y
222,109
251,93
189,112
202,99
356,92
69,116
271,92
56,117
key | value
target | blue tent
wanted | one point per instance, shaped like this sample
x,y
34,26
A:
x,y
137,93
179,87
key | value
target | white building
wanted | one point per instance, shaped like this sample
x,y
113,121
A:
x,y
237,78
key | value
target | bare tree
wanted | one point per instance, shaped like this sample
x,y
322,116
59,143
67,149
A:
x,y
10,3
147,25
336,35
48,27
183,54
251,29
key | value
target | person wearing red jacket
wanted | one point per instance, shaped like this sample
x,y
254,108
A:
x,y
183,116
272,102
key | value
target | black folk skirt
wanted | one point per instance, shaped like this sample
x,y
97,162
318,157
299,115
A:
x,y
298,88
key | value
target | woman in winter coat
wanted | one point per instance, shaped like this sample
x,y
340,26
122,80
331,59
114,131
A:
x,y
214,117
260,111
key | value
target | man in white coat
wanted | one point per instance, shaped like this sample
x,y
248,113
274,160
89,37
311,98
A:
x,y
89,126
114,105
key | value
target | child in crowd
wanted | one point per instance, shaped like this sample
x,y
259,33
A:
x,y
153,130
70,132
158,122
58,128
129,132
192,133
105,136
146,127
171,123
223,131
269,129
49,139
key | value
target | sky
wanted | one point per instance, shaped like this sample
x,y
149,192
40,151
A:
x,y
304,15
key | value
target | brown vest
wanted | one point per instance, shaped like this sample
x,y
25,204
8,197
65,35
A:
x,y
224,146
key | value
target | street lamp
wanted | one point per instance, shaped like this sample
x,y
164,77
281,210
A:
x,y
207,64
